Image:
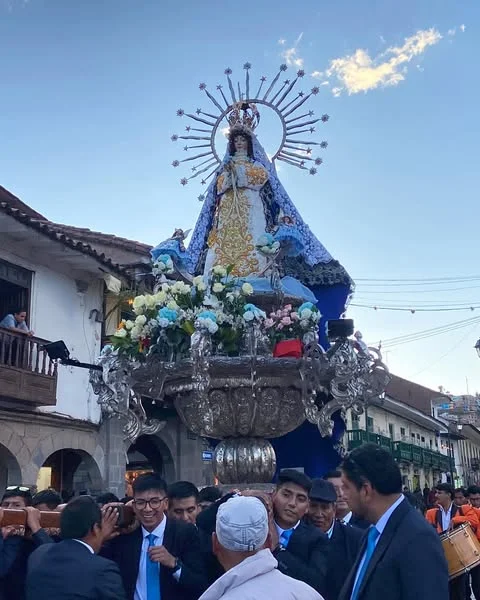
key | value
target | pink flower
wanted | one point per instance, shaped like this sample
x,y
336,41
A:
x,y
279,314
279,326
294,316
272,315
287,307
286,321
268,323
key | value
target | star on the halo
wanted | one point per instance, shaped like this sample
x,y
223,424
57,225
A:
x,y
319,161
313,171
202,86
175,163
301,94
198,111
283,67
247,66
312,129
201,198
308,150
315,90
185,148
228,71
325,118
174,138
323,144
203,182
184,181
188,128
263,79
194,169
219,87
301,73
310,113
287,81
180,112
302,163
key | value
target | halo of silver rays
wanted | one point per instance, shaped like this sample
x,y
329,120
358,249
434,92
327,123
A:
x,y
280,96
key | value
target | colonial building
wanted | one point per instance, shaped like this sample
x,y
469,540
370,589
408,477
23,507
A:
x,y
52,431
402,422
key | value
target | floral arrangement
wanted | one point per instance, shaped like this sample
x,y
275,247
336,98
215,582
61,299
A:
x,y
163,265
288,323
266,244
165,321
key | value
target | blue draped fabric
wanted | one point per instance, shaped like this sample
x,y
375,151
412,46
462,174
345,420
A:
x,y
173,248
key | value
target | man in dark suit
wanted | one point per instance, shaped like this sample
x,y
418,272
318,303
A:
x,y
344,513
345,540
71,569
162,558
300,548
401,557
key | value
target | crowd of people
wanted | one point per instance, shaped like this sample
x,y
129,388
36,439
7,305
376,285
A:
x,y
352,535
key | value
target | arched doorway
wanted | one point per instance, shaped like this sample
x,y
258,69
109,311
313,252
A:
x,y
10,472
71,472
150,453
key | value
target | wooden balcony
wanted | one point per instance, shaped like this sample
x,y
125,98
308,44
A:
x,y
27,375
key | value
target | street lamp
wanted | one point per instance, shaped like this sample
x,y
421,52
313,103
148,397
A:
x,y
477,347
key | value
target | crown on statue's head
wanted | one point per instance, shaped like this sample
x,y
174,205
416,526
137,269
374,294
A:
x,y
243,117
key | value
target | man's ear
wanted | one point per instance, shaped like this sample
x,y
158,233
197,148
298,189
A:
x,y
268,543
215,544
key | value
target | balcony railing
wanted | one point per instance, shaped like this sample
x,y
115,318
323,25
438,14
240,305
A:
x,y
402,451
27,374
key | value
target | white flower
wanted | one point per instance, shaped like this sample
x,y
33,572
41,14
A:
x,y
305,314
247,289
249,315
197,280
140,320
129,324
218,287
138,304
305,324
120,333
135,333
172,305
201,287
150,301
163,322
160,297
219,270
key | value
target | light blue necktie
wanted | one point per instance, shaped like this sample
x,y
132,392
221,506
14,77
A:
x,y
153,575
373,534
285,537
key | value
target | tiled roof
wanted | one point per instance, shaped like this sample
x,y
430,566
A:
x,y
413,394
14,202
50,230
104,238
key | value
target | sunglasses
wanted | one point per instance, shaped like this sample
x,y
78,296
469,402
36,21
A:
x,y
20,488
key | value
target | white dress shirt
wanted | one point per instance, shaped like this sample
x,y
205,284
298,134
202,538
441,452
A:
x,y
280,530
380,527
89,548
141,587
330,531
446,517
347,517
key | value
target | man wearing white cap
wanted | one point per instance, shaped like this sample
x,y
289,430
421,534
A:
x,y
241,544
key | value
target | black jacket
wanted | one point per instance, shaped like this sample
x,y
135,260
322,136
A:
x,y
69,571
18,549
182,541
408,562
357,521
306,556
345,544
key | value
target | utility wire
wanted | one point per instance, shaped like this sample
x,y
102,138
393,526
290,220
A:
x,y
413,310
427,333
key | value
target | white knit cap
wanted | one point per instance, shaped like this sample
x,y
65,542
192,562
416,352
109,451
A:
x,y
242,524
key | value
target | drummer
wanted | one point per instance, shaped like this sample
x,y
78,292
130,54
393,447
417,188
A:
x,y
445,517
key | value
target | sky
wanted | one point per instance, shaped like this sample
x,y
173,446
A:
x,y
89,97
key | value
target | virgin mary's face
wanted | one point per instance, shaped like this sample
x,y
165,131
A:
x,y
240,143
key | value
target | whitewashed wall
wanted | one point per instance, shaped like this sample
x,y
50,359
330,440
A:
x,y
59,312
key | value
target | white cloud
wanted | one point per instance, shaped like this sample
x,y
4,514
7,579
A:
x,y
452,31
359,72
282,42
291,56
462,28
317,74
225,131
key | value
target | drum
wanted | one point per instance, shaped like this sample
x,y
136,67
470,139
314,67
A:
x,y
462,550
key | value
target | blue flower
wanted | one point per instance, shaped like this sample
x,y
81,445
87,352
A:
x,y
168,313
266,239
308,305
251,311
207,314
164,258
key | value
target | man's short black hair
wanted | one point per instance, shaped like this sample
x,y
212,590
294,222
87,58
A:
x,y
335,474
79,518
106,498
376,465
149,481
182,489
294,476
211,493
461,490
18,491
445,487
473,489
49,497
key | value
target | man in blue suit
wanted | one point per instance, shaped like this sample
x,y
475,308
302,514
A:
x,y
401,557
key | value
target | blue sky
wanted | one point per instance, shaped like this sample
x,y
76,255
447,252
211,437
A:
x,y
89,95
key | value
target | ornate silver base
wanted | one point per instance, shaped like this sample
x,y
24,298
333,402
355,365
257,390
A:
x,y
244,460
